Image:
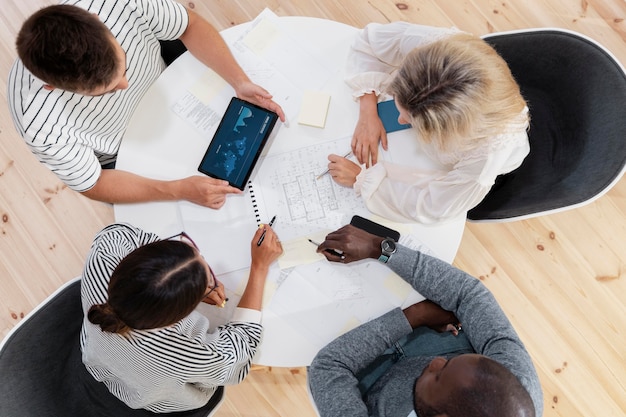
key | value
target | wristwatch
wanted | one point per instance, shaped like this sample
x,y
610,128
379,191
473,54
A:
x,y
388,248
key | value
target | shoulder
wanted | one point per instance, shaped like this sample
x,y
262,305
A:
x,y
410,35
119,239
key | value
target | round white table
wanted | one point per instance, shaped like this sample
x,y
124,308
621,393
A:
x,y
305,307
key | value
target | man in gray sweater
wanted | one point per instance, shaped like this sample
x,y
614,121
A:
x,y
493,377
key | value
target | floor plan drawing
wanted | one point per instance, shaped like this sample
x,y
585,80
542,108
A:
x,y
289,186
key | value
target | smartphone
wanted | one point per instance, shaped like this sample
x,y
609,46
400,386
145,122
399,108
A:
x,y
374,228
388,113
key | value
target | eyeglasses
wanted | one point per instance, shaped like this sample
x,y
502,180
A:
x,y
184,237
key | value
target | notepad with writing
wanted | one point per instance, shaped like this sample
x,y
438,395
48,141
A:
x,y
314,108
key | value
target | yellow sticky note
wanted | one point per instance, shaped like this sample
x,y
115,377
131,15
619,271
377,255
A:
x,y
262,36
208,86
314,108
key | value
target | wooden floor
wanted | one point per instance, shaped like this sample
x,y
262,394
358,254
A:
x,y
560,278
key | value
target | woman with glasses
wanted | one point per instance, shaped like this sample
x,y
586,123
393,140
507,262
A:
x,y
141,336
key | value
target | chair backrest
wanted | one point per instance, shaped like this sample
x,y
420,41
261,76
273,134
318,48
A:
x,y
42,374
575,91
170,50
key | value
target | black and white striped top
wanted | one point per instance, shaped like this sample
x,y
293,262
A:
x,y
168,369
73,134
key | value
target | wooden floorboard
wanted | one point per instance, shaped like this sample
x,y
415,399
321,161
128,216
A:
x,y
560,278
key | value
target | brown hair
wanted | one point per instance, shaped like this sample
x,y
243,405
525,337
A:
x,y
155,286
457,90
69,48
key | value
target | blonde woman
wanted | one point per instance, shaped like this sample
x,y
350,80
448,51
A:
x,y
463,104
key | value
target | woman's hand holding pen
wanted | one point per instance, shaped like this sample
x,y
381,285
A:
x,y
342,170
263,256
270,248
350,244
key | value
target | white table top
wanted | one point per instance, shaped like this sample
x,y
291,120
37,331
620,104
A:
x,y
306,306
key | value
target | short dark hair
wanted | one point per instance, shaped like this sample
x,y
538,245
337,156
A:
x,y
494,392
154,286
68,47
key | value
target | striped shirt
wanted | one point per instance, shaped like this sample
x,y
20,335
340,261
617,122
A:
x,y
168,369
73,134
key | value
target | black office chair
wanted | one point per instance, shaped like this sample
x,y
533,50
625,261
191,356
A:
x,y
41,372
576,93
170,50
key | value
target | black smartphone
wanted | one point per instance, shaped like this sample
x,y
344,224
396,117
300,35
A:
x,y
374,228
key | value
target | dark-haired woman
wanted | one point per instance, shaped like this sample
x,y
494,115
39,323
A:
x,y
141,336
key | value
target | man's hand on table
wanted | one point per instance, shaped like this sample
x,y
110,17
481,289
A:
x,y
258,95
205,191
430,314
350,244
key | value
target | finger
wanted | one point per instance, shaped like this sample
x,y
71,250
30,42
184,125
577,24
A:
x,y
217,204
279,111
216,297
374,156
383,140
232,190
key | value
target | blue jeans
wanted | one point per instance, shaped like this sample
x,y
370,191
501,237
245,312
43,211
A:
x,y
423,341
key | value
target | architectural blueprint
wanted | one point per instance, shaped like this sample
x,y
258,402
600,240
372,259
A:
x,y
287,185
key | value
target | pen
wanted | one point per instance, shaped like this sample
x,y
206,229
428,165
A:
x,y
326,172
331,251
265,230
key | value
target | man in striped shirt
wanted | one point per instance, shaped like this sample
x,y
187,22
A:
x,y
84,66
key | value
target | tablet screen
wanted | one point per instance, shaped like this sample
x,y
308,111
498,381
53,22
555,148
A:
x,y
238,142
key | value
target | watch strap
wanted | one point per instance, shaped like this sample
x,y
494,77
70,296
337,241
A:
x,y
383,258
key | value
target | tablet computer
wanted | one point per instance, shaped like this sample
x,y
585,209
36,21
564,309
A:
x,y
238,142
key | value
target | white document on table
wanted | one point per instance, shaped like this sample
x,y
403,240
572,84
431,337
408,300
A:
x,y
223,236
287,185
323,300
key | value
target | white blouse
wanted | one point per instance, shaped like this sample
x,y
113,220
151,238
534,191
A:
x,y
410,193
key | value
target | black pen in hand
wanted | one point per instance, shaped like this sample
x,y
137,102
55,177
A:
x,y
331,251
264,231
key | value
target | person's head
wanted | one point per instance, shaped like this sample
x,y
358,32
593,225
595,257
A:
x,y
470,385
456,90
71,49
154,286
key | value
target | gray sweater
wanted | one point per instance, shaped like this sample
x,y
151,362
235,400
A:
x,y
332,374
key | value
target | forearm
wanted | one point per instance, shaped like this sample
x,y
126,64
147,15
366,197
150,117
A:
x,y
458,292
207,45
332,374
252,297
368,105
116,186
431,196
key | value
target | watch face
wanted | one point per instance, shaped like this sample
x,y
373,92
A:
x,y
389,246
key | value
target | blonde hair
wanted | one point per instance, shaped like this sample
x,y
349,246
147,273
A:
x,y
457,91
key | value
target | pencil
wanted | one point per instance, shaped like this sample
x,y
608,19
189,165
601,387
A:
x,y
326,172
265,230
331,251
